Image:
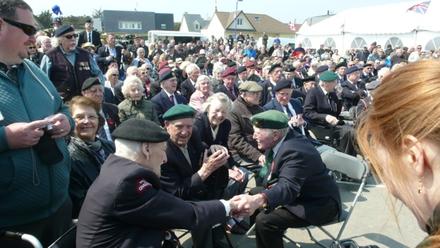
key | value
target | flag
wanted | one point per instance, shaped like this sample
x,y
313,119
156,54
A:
x,y
292,26
420,8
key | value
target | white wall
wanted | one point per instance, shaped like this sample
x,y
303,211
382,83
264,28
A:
x,y
214,28
183,26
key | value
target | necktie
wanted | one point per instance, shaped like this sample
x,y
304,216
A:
x,y
232,91
90,36
172,99
330,102
267,164
289,114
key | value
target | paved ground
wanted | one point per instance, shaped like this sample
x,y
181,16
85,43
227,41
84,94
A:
x,y
374,222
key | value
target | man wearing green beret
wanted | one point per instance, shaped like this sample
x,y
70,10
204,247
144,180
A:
x,y
241,144
297,188
126,207
322,108
193,171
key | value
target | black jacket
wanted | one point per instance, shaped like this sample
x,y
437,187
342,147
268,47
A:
x,y
317,105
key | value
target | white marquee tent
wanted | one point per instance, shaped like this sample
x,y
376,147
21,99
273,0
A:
x,y
386,24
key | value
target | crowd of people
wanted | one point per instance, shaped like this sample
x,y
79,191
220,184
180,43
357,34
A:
x,y
135,139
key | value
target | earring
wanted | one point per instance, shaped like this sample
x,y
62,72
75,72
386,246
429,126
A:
x,y
420,186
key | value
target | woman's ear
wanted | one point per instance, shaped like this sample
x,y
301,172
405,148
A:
x,y
414,154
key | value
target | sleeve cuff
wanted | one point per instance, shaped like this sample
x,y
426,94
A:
x,y
227,206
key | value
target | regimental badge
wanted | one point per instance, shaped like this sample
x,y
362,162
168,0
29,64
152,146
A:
x,y
142,185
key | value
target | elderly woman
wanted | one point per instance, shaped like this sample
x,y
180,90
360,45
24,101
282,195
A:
x,y
87,151
145,77
113,84
135,104
400,136
203,91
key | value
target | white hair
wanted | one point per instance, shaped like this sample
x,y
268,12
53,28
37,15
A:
x,y
130,81
222,98
128,149
201,79
191,67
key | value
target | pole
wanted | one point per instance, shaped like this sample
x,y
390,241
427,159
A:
x,y
235,19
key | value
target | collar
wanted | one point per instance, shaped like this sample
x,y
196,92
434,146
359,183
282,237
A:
x,y
277,147
167,93
323,90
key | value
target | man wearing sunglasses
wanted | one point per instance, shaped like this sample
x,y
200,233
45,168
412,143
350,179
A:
x,y
68,66
33,186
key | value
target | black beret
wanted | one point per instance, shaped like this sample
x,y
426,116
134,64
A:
x,y
140,130
179,111
308,79
166,74
241,69
90,82
63,30
271,119
283,84
352,69
289,68
341,64
274,66
322,69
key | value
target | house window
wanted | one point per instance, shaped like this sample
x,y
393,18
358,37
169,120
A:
x,y
257,19
239,21
163,26
130,25
196,26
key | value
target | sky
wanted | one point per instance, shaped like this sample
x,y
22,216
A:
x,y
283,10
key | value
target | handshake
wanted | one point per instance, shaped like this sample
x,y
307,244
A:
x,y
245,205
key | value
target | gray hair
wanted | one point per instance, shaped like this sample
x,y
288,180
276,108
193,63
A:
x,y
201,79
191,67
222,98
130,81
128,149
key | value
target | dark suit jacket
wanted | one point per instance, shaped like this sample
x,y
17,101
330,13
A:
x,y
109,97
126,207
304,186
111,115
274,104
162,103
96,38
103,52
299,94
268,92
180,178
187,89
316,106
222,88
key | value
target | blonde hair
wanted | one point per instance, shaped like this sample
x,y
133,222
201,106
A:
x,y
405,103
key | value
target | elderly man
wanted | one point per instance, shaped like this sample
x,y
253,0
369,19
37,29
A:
x,y
352,89
241,144
35,164
228,86
275,75
192,171
188,86
167,97
93,89
68,66
322,109
284,103
298,189
89,35
126,207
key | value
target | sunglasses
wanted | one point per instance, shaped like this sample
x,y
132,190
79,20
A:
x,y
32,47
26,28
70,36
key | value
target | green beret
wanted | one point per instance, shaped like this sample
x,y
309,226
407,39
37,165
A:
x,y
179,111
89,83
270,119
141,131
328,76
250,86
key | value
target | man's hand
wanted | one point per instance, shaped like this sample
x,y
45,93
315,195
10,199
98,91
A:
x,y
245,205
296,121
331,120
23,135
262,159
61,125
212,163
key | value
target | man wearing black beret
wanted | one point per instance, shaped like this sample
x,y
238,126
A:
x,y
126,207
68,66
193,171
290,106
289,74
308,83
297,188
341,69
167,97
352,88
275,75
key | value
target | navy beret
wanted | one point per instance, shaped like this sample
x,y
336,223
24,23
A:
x,y
352,69
322,69
166,74
89,82
140,130
63,30
283,84
341,64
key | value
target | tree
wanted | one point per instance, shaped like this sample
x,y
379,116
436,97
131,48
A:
x,y
44,19
97,13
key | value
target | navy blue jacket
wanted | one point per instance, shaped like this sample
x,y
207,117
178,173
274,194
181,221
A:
x,y
162,103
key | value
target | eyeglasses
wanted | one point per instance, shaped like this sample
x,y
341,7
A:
x,y
32,47
70,36
26,28
114,75
82,117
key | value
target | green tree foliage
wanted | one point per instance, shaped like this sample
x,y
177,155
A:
x,y
44,19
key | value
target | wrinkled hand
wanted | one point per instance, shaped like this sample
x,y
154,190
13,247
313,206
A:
x,y
61,125
236,174
245,205
212,163
23,135
331,120
262,159
296,121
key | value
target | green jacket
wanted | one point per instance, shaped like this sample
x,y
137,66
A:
x,y
29,189
143,109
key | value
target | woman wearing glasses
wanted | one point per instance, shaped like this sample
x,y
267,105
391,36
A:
x,y
87,151
34,55
114,95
